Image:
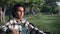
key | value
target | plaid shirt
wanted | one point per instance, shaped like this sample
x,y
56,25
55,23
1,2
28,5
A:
x,y
23,27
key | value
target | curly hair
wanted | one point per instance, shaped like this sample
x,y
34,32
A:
x,y
15,8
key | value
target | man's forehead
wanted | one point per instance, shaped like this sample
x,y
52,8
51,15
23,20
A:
x,y
20,8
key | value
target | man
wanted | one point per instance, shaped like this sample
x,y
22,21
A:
x,y
18,25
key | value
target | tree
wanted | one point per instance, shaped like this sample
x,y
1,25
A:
x,y
4,4
49,7
35,6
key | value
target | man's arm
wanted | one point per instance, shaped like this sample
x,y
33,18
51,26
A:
x,y
5,27
35,29
31,26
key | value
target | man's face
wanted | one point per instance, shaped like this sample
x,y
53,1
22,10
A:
x,y
20,12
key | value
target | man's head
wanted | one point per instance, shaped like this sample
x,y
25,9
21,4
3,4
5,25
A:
x,y
18,11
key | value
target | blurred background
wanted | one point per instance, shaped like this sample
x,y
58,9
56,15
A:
x,y
44,14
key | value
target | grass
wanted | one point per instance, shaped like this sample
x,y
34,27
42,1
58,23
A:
x,y
47,23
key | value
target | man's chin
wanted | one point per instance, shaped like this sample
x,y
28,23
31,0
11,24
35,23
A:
x,y
20,18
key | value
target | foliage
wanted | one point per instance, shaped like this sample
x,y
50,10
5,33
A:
x,y
49,7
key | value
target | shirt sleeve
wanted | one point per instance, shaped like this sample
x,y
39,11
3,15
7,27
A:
x,y
30,25
6,26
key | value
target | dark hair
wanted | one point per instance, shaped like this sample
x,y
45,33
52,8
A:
x,y
15,8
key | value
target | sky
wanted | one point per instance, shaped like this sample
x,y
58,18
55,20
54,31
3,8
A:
x,y
58,3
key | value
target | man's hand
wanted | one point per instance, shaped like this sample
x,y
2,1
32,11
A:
x,y
14,31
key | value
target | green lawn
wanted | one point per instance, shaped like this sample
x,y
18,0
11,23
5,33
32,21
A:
x,y
47,23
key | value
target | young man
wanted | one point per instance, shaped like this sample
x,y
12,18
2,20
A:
x,y
18,25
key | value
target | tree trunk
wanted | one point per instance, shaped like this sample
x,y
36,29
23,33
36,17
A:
x,y
1,14
33,11
4,13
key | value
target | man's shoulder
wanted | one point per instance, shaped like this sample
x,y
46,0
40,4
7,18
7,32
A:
x,y
25,21
12,21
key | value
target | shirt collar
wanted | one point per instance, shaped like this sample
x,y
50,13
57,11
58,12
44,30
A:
x,y
22,21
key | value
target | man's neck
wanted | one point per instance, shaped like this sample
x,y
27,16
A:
x,y
19,20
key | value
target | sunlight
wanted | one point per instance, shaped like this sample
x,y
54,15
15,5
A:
x,y
58,3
